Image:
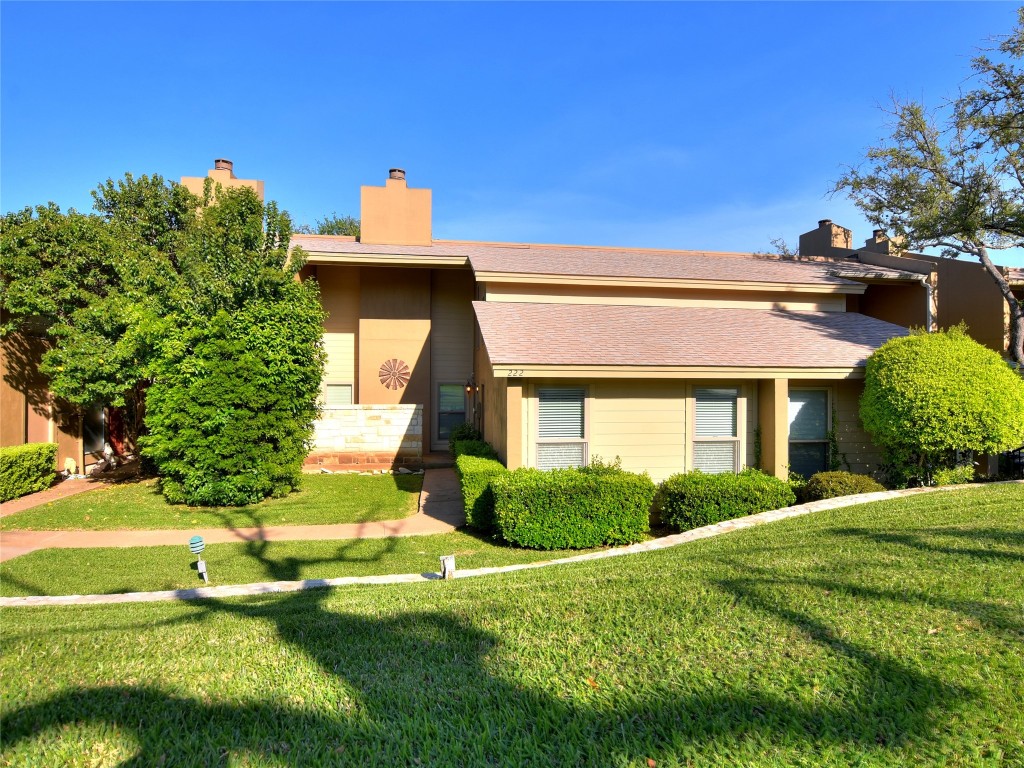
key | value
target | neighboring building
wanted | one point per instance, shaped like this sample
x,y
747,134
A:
x,y
29,413
670,360
963,292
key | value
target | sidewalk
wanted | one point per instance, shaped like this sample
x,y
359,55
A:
x,y
440,511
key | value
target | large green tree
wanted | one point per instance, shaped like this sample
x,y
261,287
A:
x,y
231,408
190,305
953,178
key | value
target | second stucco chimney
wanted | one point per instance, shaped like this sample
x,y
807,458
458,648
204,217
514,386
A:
x,y
394,214
827,240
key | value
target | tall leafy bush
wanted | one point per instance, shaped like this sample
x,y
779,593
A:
x,y
231,408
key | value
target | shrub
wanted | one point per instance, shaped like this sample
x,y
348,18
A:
x,y
463,431
475,476
472,447
231,410
828,485
26,469
598,466
929,395
954,476
572,509
694,499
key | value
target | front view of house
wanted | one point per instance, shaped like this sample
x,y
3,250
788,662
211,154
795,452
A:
x,y
669,360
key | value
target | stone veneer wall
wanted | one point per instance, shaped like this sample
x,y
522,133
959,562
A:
x,y
368,435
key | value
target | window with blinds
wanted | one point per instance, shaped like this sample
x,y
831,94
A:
x,y
336,395
561,431
808,431
716,430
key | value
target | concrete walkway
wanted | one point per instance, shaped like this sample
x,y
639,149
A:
x,y
60,490
666,542
440,511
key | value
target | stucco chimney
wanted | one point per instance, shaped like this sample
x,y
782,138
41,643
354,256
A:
x,y
394,214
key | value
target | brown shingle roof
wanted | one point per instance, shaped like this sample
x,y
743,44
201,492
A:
x,y
575,334
580,261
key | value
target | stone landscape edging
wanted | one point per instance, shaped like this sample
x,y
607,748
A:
x,y
666,542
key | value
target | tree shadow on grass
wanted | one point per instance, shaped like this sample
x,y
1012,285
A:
x,y
924,540
430,688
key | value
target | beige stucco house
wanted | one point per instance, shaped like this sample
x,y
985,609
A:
x,y
670,360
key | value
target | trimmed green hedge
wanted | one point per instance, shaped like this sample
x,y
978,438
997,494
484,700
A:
x,y
694,499
829,485
472,448
572,509
26,469
475,476
460,432
954,476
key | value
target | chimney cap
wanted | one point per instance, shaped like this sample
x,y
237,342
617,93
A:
x,y
878,234
222,164
396,173
824,222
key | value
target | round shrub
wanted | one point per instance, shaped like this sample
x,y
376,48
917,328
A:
x,y
829,485
694,499
571,509
929,395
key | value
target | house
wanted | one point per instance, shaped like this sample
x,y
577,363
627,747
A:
x,y
670,360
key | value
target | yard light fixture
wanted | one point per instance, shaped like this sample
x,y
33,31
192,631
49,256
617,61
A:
x,y
196,545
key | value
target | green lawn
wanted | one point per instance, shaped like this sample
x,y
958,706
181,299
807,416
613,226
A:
x,y
882,635
139,569
138,505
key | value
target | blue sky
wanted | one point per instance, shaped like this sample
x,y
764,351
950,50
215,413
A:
x,y
687,125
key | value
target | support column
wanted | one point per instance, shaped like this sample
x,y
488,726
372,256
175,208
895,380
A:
x,y
773,419
514,424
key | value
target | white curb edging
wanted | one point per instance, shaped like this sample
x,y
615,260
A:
x,y
666,542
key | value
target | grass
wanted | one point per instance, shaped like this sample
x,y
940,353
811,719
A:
x,y
138,505
882,635
107,570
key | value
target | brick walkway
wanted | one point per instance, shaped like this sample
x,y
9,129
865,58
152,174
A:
x,y
238,590
440,511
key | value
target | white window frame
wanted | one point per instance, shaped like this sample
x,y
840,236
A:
x,y
829,425
738,441
583,441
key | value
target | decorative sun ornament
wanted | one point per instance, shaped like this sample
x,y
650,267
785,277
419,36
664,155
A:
x,y
394,374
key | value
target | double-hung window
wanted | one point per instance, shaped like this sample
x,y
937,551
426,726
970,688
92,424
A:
x,y
808,431
451,409
716,441
561,428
